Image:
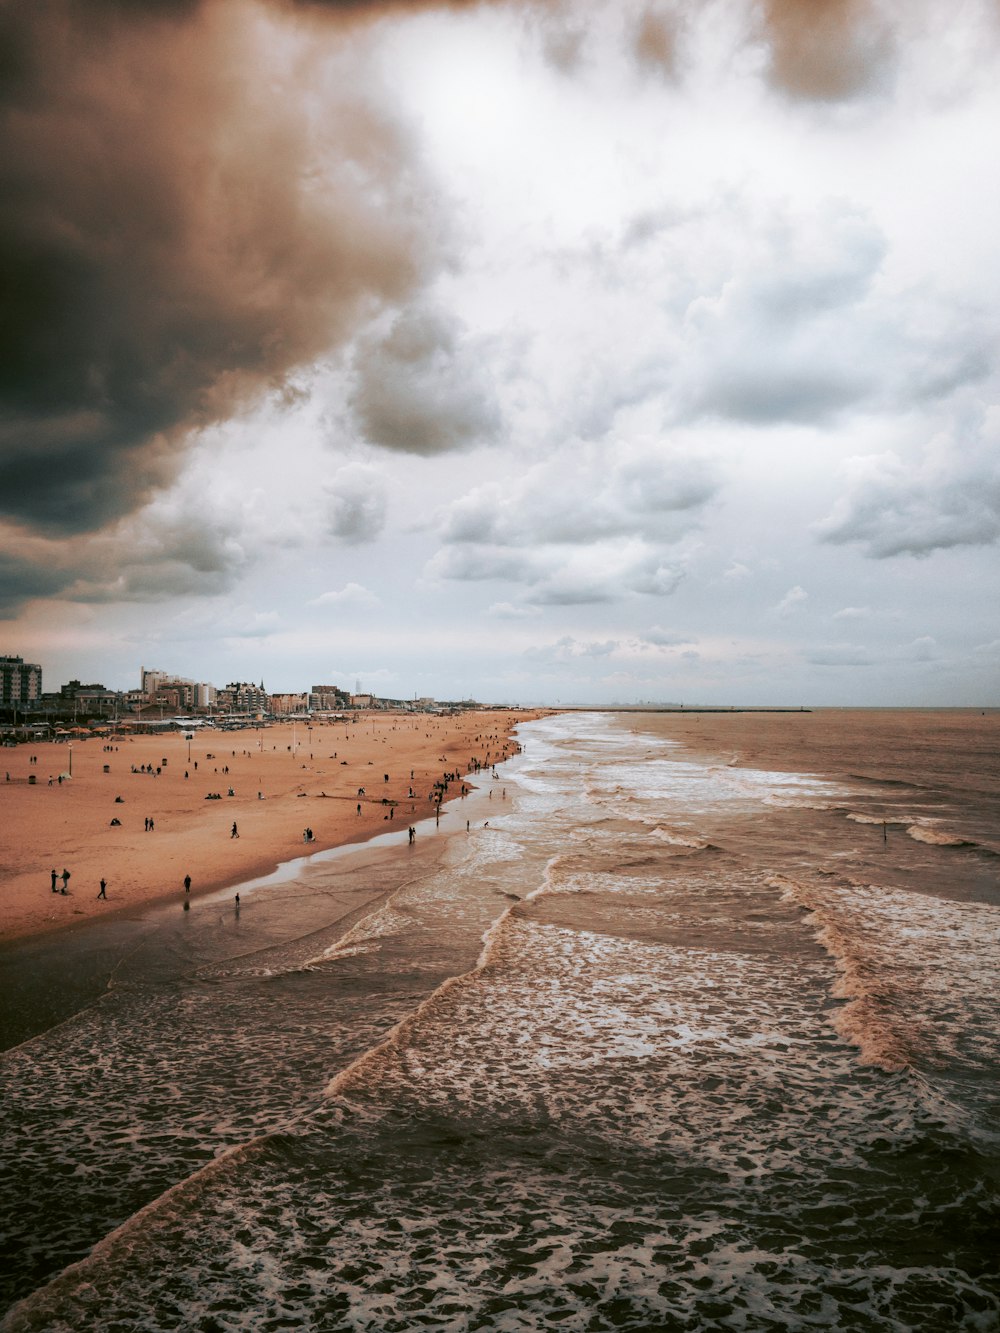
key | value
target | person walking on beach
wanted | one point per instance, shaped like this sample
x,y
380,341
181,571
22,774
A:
x,y
187,883
104,885
235,833
65,878
55,876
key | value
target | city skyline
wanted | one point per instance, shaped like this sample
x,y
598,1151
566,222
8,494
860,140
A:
x,y
538,354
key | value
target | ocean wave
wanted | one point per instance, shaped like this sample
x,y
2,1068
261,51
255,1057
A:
x,y
915,971
680,839
935,837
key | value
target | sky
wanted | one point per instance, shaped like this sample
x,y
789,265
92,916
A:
x,y
557,352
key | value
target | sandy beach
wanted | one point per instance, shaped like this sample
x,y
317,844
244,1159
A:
x,y
272,783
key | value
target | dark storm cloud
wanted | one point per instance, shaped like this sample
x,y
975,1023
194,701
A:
x,y
180,230
656,43
21,580
827,50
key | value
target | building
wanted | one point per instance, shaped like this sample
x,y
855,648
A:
x,y
241,697
94,700
282,705
150,681
20,683
177,692
327,698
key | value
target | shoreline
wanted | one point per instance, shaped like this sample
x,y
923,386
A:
x,y
52,975
389,755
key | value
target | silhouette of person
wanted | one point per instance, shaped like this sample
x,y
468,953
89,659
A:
x,y
187,883
104,885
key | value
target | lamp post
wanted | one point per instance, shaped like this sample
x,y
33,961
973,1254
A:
x,y
71,758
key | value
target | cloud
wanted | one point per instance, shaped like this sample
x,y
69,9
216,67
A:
x,y
773,314
656,42
949,497
422,388
570,649
661,638
237,622
197,200
837,655
352,594
827,50
923,649
189,541
778,339
648,489
356,503
853,613
21,580
593,526
791,601
509,611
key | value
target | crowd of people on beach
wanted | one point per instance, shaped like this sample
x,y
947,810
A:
x,y
439,792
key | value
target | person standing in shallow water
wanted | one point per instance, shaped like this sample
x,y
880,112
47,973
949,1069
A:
x,y
187,883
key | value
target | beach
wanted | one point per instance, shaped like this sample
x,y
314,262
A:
x,y
693,1028
273,783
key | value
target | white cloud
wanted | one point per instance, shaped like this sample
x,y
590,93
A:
x,y
352,594
593,524
663,638
949,497
510,611
792,601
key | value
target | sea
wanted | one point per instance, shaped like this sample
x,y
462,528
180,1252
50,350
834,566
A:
x,y
676,1022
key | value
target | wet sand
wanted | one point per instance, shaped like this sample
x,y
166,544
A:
x,y
306,777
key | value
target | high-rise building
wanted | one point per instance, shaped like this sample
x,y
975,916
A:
x,y
20,683
150,681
